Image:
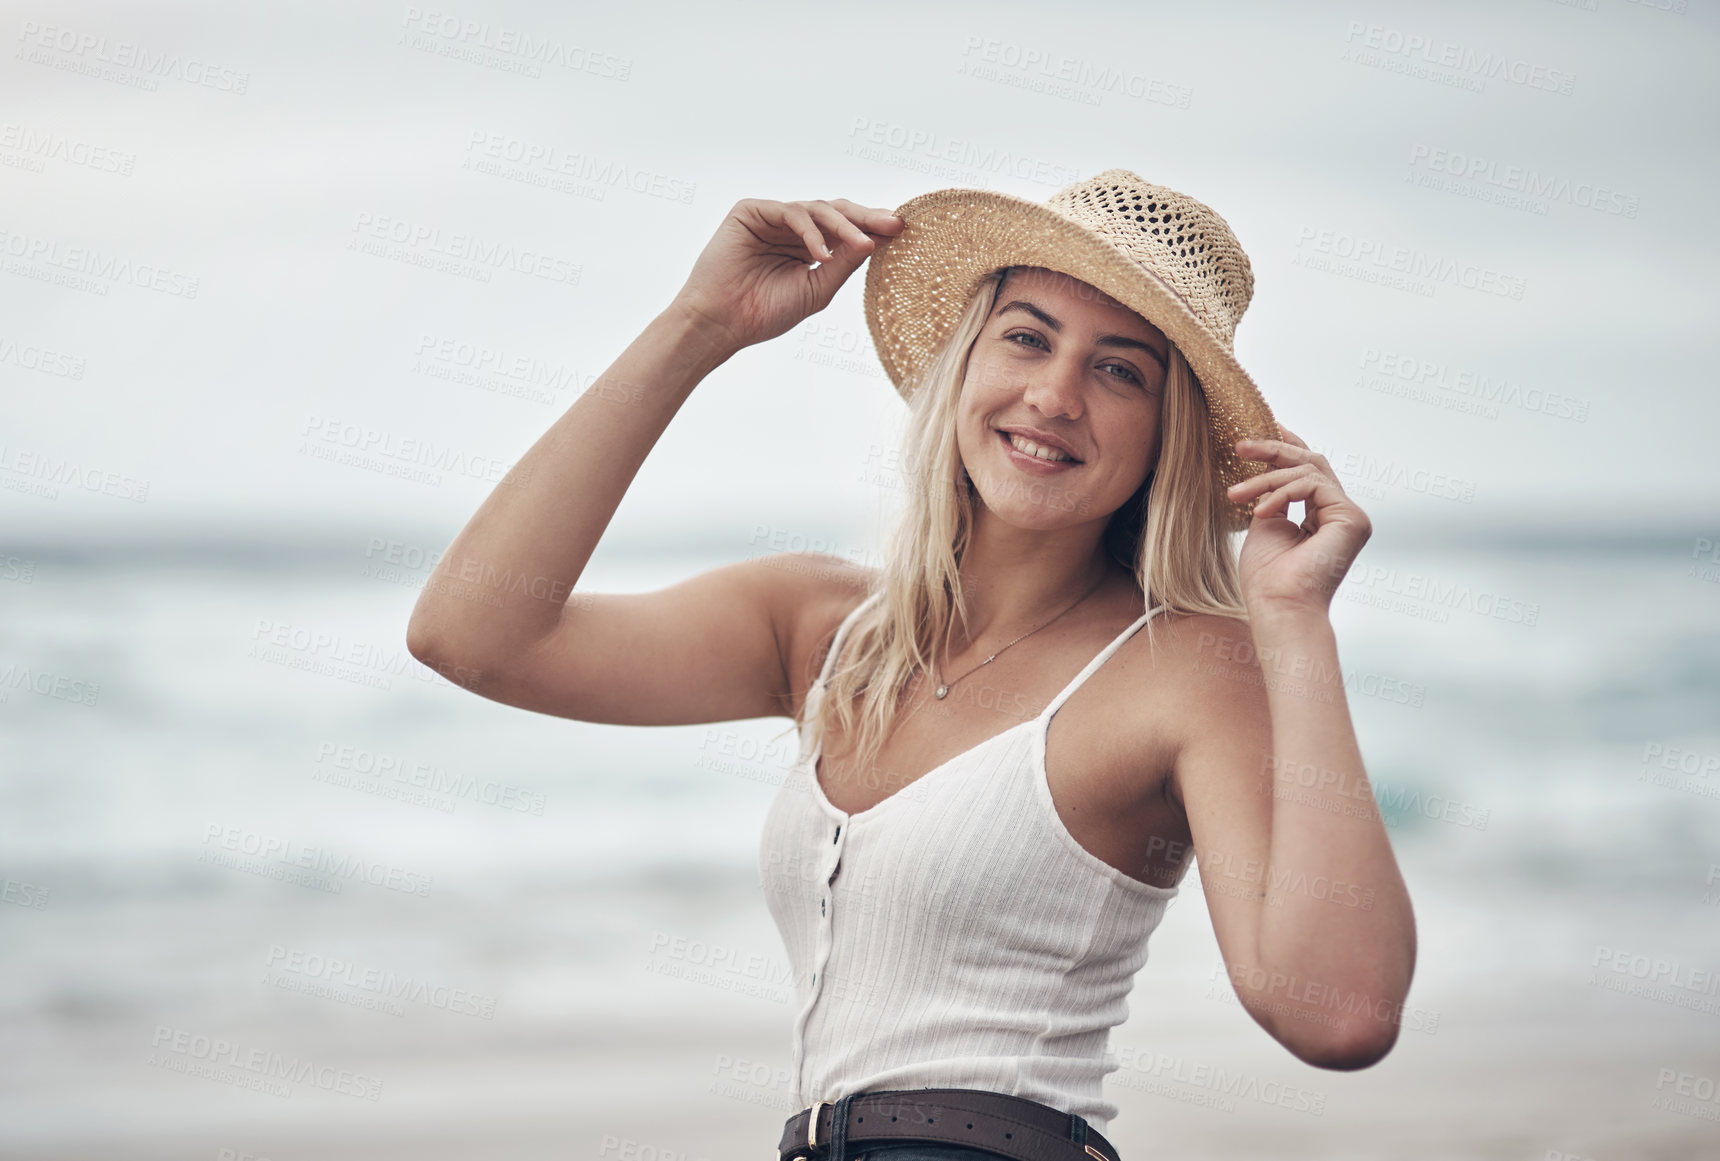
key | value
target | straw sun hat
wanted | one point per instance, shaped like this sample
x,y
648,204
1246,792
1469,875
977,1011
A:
x,y
1167,257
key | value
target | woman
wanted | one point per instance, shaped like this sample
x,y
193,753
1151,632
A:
x,y
965,893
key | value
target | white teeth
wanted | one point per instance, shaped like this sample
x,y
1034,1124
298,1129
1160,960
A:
x,y
1028,447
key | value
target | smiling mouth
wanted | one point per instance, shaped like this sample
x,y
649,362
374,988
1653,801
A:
x,y
1054,456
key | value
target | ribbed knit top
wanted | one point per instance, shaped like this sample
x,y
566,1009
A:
x,y
955,934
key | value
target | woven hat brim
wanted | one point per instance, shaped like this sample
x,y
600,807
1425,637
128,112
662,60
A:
x,y
918,283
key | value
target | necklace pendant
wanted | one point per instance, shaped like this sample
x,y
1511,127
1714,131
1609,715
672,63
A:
x,y
942,690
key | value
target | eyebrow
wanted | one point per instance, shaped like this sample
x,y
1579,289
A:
x,y
1103,340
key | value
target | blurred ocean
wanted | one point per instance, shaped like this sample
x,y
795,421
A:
x,y
236,816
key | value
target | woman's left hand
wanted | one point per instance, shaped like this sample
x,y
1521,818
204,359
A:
x,y
1287,567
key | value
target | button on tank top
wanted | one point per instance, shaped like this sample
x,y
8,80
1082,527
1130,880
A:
x,y
955,934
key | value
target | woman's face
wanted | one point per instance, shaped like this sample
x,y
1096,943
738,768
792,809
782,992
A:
x,y
1060,358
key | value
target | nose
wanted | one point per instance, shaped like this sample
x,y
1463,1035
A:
x,y
1055,386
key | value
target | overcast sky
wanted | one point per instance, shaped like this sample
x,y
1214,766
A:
x,y
199,281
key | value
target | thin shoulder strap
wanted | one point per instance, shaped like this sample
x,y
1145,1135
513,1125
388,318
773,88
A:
x,y
1104,655
815,695
841,633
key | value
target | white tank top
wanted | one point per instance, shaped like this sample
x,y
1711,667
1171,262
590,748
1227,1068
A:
x,y
955,934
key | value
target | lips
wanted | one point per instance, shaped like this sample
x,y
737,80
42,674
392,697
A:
x,y
1033,465
1040,438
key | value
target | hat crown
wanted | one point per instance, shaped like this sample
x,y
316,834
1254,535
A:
x,y
1178,240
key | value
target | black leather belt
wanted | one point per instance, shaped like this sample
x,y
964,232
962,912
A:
x,y
1014,1126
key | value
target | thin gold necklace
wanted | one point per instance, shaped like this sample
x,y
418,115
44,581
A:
x,y
944,688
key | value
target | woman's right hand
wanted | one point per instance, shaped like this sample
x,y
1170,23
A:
x,y
754,280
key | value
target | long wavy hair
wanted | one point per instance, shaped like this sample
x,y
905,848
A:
x,y
1169,534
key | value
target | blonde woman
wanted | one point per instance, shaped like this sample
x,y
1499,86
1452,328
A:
x,y
965,893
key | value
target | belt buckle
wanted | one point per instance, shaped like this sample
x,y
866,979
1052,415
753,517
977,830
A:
x,y
1095,1154
812,1145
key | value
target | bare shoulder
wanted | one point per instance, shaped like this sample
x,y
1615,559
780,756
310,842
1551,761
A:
x,y
1208,667
1188,639
812,593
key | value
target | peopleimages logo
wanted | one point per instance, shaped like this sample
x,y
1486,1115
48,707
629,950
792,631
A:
x,y
1425,379
551,160
959,151
1520,179
42,360
44,145
335,972
335,759
179,1050
1693,1094
86,47
1447,61
482,255
1215,1078
530,49
1032,67
218,838
1445,595
1417,267
104,269
1659,970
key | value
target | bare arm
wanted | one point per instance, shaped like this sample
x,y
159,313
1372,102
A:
x,y
502,585
1311,913
495,614
1309,907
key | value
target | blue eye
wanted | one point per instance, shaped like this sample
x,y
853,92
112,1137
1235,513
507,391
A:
x,y
1131,377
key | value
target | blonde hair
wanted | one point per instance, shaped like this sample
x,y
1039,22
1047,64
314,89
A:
x,y
1169,534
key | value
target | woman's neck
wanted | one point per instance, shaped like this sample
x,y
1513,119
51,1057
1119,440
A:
x,y
1017,582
